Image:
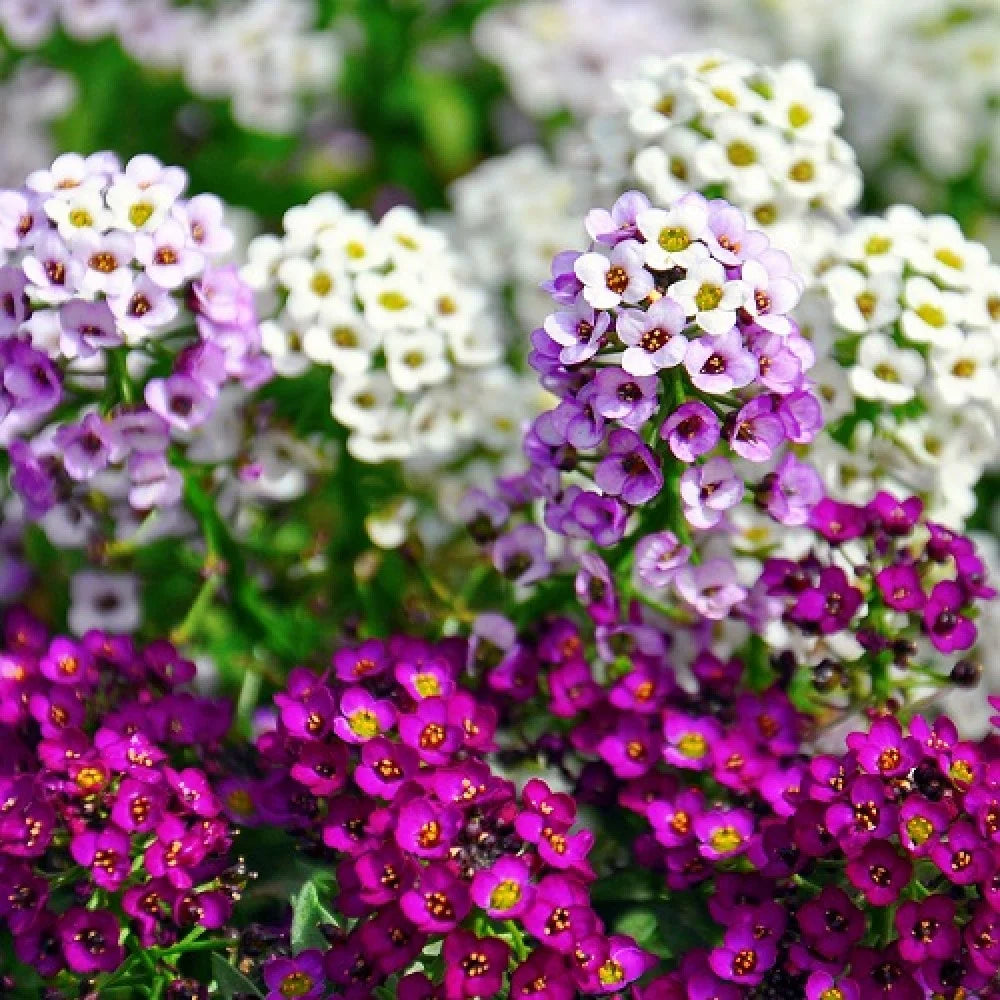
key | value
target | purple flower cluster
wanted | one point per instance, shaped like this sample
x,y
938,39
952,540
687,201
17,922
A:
x,y
117,333
870,873
382,761
902,586
108,821
678,370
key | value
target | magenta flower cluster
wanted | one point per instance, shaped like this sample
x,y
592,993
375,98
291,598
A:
x,y
108,821
117,332
383,761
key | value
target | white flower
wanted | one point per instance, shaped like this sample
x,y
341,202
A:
x,y
354,243
671,234
945,254
313,286
967,370
78,212
407,238
707,295
415,360
885,372
740,154
362,401
393,301
133,207
342,340
283,341
932,315
861,303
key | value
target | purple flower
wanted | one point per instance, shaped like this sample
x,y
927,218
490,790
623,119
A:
x,y
689,740
708,491
831,924
89,326
595,587
564,285
629,470
619,224
838,522
880,872
944,624
823,986
86,447
742,957
756,431
728,236
362,716
580,331
609,281
106,854
801,416
711,588
601,519
691,430
962,857
792,491
658,557
653,339
180,400
717,365
301,976
927,929
427,829
774,291
90,940
831,604
520,555
630,399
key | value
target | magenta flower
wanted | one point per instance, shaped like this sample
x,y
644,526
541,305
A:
x,y
362,716
300,976
944,624
473,966
723,833
880,872
742,957
504,890
927,929
90,940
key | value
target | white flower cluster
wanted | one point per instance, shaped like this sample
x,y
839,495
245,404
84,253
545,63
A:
x,y
512,215
763,138
31,98
416,363
926,71
562,55
264,56
906,319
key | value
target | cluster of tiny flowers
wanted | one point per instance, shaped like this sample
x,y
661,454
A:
x,y
414,352
381,766
563,55
906,317
108,822
868,873
117,333
32,97
939,100
263,56
762,138
896,588
674,358
512,214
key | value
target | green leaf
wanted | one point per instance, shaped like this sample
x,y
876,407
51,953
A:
x,y
307,914
231,981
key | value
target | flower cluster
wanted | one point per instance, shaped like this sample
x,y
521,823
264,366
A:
x,y
414,352
382,761
938,103
117,333
562,55
108,821
906,317
674,358
764,139
263,56
867,873
889,591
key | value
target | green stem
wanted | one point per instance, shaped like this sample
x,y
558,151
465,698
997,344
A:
x,y
199,608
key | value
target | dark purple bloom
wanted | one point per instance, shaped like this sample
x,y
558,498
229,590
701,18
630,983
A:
x,y
90,940
301,976
629,470
944,624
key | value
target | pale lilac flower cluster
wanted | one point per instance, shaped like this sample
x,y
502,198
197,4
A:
x,y
681,380
117,332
